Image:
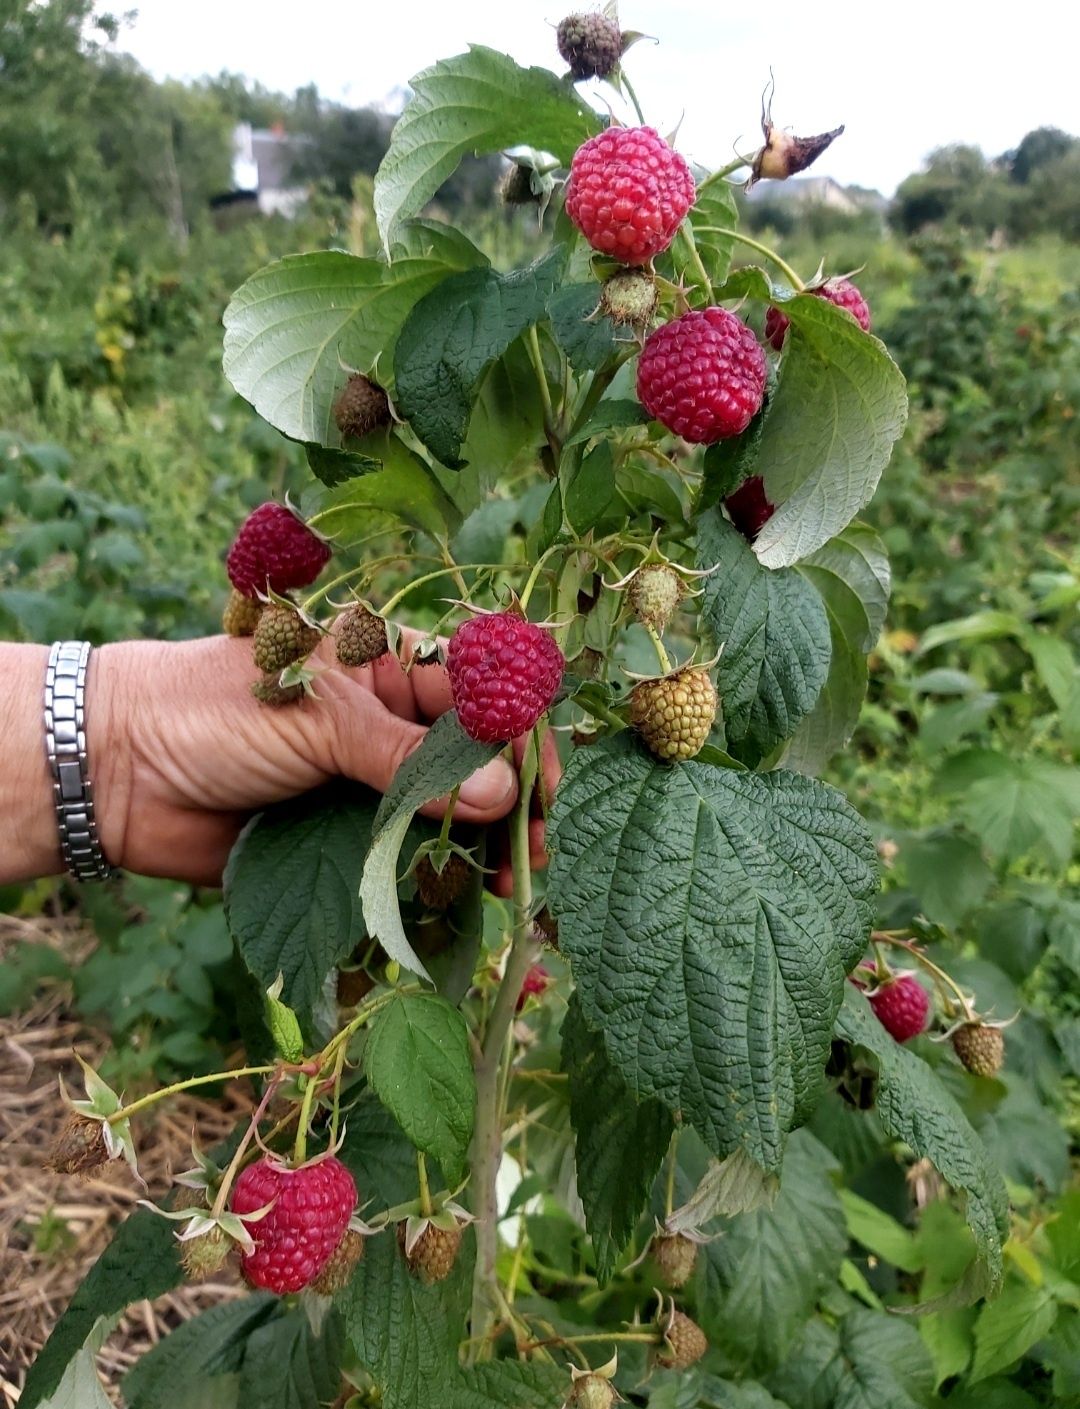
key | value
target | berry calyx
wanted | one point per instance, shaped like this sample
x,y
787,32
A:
x,y
310,1208
839,291
362,407
675,713
337,1274
591,1392
749,508
654,593
535,983
504,672
684,1342
281,637
980,1047
590,45
902,1006
275,551
241,614
438,890
431,1255
675,1256
628,193
629,298
702,375
361,636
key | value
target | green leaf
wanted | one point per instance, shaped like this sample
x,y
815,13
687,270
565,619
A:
x,y
880,1233
728,1186
406,1334
710,917
1008,1328
526,1384
445,758
851,573
81,1387
728,463
210,1344
869,1361
619,1142
587,340
745,1394
913,1106
291,888
293,327
714,209
946,870
1016,804
609,415
773,633
139,1264
451,338
590,494
1026,1139
284,1027
839,407
982,626
762,1279
334,467
406,489
378,1155
417,1061
290,1365
475,103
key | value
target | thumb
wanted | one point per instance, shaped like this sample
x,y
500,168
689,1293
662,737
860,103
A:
x,y
369,743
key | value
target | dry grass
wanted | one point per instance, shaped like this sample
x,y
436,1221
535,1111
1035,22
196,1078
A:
x,y
53,1228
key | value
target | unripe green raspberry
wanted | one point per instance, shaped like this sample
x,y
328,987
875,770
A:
x,y
206,1254
592,1392
361,636
686,1343
362,407
270,691
337,1274
675,1257
241,614
629,298
674,714
654,593
590,45
980,1048
281,637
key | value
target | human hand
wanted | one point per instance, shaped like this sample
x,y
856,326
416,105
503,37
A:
x,y
181,754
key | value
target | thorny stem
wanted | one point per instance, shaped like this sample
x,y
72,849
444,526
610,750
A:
x,y
487,1138
771,255
144,1101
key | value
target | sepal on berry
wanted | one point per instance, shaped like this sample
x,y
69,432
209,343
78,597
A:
x,y
593,1389
74,1151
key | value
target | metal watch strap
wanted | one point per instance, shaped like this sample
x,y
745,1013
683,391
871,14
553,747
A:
x,y
65,747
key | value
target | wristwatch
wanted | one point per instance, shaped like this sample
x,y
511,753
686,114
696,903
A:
x,y
65,748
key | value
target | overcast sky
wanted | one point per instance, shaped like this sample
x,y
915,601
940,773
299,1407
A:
x,y
905,77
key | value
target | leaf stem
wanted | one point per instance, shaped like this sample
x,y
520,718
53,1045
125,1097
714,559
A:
x,y
532,344
658,647
422,1178
177,1086
770,254
687,233
534,576
940,977
632,96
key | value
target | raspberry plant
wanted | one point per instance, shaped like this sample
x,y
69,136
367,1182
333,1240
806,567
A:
x,y
684,448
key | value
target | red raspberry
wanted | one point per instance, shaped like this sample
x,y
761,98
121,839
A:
x,y
838,291
504,672
536,981
901,1006
749,507
628,193
702,375
275,549
311,1209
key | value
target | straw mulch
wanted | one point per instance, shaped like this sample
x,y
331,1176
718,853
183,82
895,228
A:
x,y
53,1228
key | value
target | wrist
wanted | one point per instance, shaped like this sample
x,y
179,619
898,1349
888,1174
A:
x,y
27,814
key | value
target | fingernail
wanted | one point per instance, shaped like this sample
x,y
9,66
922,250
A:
x,y
489,786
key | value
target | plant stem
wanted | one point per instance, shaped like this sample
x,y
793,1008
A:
x,y
425,1192
940,977
144,1101
673,1165
300,1145
658,647
234,1164
487,1144
448,816
534,576
632,96
601,712
532,344
695,255
781,264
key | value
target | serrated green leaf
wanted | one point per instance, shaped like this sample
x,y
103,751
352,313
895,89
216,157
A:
x,y
406,1333
728,1187
587,337
1016,804
334,467
868,1361
81,1387
418,1064
879,1232
291,888
619,1142
851,574
284,1029
406,489
609,415
728,463
589,495
762,1279
1026,1139
475,103
981,626
839,407
913,1106
208,1345
946,871
451,338
140,1263
1008,1328
774,637
526,1384
445,758
293,327
710,917
744,1394
377,1154
290,1365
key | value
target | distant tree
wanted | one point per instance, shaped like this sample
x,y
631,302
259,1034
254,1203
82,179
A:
x,y
1042,147
958,188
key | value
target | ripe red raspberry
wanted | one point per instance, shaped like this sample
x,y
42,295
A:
x,y
311,1209
901,1006
504,672
275,549
702,375
838,291
628,193
749,507
536,981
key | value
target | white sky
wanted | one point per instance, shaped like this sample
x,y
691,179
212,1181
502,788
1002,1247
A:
x,y
905,77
